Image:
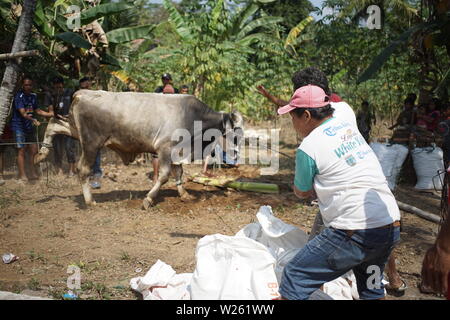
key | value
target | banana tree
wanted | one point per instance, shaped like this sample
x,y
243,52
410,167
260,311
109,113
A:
x,y
92,44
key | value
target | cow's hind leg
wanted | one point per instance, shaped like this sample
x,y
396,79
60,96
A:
x,y
178,172
164,173
84,170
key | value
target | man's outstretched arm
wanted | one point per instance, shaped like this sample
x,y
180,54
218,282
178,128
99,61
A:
x,y
279,102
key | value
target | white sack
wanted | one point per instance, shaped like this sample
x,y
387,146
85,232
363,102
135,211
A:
x,y
234,268
162,283
391,158
429,166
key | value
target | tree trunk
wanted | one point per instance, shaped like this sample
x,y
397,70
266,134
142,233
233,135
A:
x,y
12,68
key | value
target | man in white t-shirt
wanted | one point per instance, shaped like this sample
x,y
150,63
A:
x,y
359,211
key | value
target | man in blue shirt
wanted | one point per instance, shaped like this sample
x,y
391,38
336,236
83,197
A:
x,y
23,126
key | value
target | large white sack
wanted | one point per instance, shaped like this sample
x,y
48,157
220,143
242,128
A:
x,y
429,166
234,268
162,283
281,239
391,158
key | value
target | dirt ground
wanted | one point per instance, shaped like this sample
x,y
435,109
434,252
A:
x,y
48,226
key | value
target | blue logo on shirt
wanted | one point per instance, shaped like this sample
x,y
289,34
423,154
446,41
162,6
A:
x,y
351,161
331,131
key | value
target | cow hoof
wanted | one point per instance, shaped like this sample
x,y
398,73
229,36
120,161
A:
x,y
147,203
91,204
38,158
187,197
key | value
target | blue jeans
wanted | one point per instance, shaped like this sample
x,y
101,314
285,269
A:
x,y
23,137
332,253
96,170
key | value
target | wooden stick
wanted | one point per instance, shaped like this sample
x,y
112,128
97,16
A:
x,y
423,214
20,54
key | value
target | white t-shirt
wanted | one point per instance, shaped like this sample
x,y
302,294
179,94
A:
x,y
344,112
351,188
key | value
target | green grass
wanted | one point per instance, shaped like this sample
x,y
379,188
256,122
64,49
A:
x,y
34,284
35,256
124,256
100,289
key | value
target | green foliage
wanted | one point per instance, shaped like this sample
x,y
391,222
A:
x,y
102,10
74,39
123,35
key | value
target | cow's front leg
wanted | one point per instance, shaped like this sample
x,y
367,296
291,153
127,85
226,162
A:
x,y
178,172
45,149
164,172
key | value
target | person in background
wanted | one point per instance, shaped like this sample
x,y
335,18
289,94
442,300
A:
x,y
85,83
184,89
364,120
167,86
407,117
412,97
23,126
431,115
97,173
58,101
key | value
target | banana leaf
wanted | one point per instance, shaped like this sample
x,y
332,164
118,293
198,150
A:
x,y
241,18
444,84
181,26
294,33
110,60
41,21
91,14
74,39
261,22
128,34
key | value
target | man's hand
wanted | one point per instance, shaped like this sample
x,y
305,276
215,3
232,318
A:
x,y
262,90
36,123
435,270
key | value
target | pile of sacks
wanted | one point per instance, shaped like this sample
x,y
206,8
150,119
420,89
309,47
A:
x,y
247,266
428,164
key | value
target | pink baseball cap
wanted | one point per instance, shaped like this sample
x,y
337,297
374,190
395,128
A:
x,y
306,97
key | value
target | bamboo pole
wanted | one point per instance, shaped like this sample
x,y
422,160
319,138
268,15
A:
x,y
20,54
423,214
